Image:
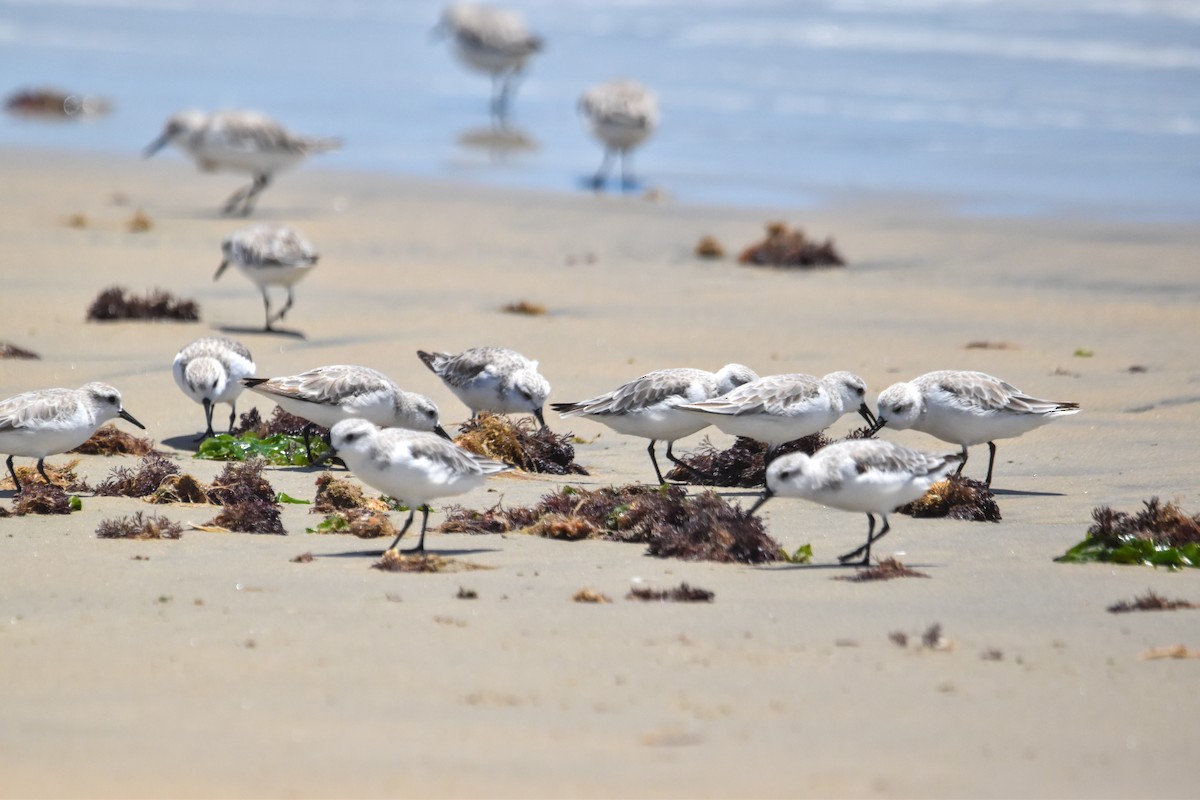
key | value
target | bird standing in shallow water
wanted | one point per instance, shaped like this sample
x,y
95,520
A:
x,y
210,371
411,466
269,255
868,475
492,40
238,141
48,421
621,114
965,408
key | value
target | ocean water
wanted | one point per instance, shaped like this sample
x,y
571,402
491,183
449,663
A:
x,y
1012,107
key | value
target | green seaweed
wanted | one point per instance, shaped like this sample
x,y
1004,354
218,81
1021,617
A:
x,y
334,523
1160,535
284,497
278,449
803,555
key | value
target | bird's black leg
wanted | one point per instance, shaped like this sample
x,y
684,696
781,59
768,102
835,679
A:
x,y
266,309
962,463
657,472
236,199
628,181
871,539
260,183
991,460
404,530
42,469
286,305
602,174
420,548
13,472
306,432
678,461
232,415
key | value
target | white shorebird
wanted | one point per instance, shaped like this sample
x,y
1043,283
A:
x,y
621,113
238,141
781,408
210,371
48,421
492,379
868,475
411,466
492,40
966,408
649,406
326,396
269,255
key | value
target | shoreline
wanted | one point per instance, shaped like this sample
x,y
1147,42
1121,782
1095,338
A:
x,y
257,676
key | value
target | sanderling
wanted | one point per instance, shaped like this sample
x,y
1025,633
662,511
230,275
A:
x,y
327,395
210,371
492,379
649,406
622,113
868,475
238,141
966,408
780,408
269,255
411,466
47,421
492,40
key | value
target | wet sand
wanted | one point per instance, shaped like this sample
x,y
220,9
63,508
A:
x,y
213,666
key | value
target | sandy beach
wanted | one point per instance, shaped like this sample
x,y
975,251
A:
x,y
213,666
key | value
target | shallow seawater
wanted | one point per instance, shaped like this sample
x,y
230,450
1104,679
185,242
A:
x,y
1010,107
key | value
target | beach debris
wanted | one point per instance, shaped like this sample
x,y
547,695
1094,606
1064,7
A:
x,y
40,498
525,307
1160,535
397,561
983,344
54,104
241,482
279,440
883,570
709,247
1170,651
342,494
249,516
142,481
591,596
742,464
519,442
789,247
1137,369
666,519
139,223
1083,352
280,421
360,522
683,593
77,221
467,594
930,639
12,351
992,654
898,638
62,476
1150,601
303,558
139,526
113,304
109,440
956,497
179,488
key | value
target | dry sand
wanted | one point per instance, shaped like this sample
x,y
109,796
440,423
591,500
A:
x,y
212,666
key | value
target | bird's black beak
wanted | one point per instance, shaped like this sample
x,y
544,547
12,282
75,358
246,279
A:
x,y
865,413
440,431
537,412
879,423
321,459
125,415
766,495
156,145
221,269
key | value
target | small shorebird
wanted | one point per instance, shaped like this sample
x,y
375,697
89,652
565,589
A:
x,y
411,466
269,255
492,379
781,408
966,408
622,113
492,40
210,371
868,475
327,395
649,406
238,141
48,421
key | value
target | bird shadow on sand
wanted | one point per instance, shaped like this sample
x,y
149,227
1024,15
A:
x,y
431,551
616,185
242,330
1025,493
188,443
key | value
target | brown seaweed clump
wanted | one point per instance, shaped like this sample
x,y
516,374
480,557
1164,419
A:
x,y
113,303
249,516
524,307
139,526
958,498
1150,601
55,104
521,443
142,481
63,476
12,351
109,440
591,596
884,570
708,247
789,247
247,497
39,498
339,494
742,464
666,519
280,421
683,593
1165,524
395,561
361,522
139,223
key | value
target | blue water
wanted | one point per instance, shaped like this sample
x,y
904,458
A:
x,y
1029,107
